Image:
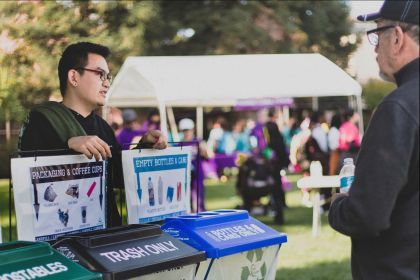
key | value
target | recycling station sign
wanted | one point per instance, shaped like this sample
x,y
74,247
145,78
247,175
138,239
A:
x,y
157,183
58,195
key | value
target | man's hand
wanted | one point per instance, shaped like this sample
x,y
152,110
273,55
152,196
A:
x,y
337,195
90,146
156,139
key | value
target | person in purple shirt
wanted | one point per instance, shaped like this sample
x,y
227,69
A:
x,y
152,122
130,132
257,132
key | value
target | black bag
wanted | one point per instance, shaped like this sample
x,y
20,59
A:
x,y
258,173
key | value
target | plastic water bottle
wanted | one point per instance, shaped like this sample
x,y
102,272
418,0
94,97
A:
x,y
160,190
151,192
346,175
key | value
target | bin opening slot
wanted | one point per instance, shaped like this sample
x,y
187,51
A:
x,y
13,246
116,235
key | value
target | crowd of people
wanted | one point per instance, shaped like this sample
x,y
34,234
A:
x,y
267,144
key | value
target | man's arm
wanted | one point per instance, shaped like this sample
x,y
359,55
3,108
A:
x,y
381,172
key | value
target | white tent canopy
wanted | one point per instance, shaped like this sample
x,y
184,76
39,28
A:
x,y
221,80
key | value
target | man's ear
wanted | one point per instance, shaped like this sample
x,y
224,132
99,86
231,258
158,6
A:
x,y
399,39
72,77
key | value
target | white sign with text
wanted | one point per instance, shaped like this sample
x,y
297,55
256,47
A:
x,y
157,183
58,195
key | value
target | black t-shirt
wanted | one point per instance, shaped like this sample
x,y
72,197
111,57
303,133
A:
x,y
38,134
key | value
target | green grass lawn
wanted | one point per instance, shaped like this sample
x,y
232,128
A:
x,y
301,258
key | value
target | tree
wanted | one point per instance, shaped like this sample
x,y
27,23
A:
x,y
235,27
41,31
374,91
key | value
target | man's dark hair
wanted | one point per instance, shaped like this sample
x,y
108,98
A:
x,y
348,114
315,117
336,121
76,56
153,112
272,112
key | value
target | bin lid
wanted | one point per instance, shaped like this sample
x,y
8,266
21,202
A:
x,y
223,232
30,260
128,251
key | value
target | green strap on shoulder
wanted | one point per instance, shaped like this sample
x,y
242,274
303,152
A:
x,y
61,119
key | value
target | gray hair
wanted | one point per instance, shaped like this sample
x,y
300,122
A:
x,y
411,29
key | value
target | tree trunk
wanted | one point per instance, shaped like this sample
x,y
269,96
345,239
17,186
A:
x,y
7,121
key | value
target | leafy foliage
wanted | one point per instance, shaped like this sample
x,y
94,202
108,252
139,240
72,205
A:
x,y
40,30
374,91
235,27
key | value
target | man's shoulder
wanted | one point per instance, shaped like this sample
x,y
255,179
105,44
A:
x,y
271,125
35,118
37,133
406,98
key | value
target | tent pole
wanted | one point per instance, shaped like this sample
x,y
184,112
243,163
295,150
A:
x,y
172,124
360,112
200,121
163,119
286,115
351,104
315,105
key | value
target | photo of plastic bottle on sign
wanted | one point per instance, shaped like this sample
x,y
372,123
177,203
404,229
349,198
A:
x,y
157,183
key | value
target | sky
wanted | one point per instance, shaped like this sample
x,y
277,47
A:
x,y
362,63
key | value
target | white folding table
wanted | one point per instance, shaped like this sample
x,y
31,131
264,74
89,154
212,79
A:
x,y
315,183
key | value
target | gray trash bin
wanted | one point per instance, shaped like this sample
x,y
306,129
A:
x,y
132,252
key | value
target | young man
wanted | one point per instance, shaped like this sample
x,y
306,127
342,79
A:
x,y
381,211
73,124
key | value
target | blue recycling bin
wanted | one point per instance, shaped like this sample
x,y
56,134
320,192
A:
x,y
237,246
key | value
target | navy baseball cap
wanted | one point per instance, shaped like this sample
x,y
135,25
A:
x,y
403,11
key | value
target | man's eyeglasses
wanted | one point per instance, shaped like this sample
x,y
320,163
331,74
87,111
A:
x,y
102,74
373,36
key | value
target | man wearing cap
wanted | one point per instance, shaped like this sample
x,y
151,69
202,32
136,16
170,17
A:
x,y
381,211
